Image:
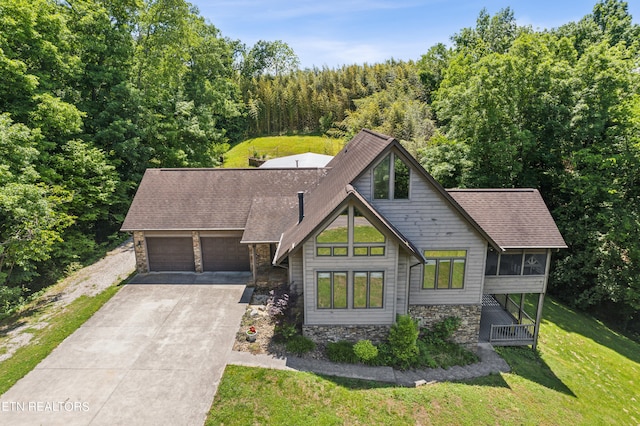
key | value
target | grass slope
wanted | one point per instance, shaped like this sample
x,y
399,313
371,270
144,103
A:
x,y
586,374
280,146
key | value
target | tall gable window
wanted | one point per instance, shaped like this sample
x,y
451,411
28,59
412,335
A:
x,y
391,179
350,234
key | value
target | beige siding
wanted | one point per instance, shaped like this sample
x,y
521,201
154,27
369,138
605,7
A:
x,y
314,264
296,277
404,260
431,223
514,284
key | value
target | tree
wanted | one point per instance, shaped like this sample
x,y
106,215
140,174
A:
x,y
270,58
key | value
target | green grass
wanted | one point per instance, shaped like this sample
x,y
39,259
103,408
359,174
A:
x,y
48,338
585,374
280,146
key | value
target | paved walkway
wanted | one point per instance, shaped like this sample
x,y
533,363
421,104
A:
x,y
490,363
154,354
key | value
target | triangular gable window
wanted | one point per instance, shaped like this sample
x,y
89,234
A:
x,y
351,233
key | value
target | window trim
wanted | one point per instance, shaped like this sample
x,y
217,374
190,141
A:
x,y
452,261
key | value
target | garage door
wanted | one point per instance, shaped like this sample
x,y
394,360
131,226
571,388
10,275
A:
x,y
170,254
224,254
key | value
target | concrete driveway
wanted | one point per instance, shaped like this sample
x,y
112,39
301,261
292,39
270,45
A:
x,y
154,354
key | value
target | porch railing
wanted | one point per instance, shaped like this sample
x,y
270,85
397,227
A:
x,y
512,334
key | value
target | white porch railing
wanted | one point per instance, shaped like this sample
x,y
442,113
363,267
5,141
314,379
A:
x,y
512,334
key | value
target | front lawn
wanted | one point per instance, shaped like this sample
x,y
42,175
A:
x,y
586,374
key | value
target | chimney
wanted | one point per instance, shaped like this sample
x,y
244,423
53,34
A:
x,y
300,206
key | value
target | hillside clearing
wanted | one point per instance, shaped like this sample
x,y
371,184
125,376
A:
x,y
279,146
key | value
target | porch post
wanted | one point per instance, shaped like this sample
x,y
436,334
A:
x,y
522,296
536,328
252,257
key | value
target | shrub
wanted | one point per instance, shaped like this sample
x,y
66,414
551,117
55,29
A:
x,y
10,297
285,331
402,339
341,351
299,345
278,302
365,350
444,329
424,356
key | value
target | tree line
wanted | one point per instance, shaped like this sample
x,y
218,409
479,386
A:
x,y
93,92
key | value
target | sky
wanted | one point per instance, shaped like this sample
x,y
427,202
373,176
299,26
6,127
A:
x,y
333,33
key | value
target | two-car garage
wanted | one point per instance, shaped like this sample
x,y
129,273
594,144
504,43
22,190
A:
x,y
179,253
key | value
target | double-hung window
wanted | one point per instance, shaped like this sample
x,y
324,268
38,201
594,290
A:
x,y
444,269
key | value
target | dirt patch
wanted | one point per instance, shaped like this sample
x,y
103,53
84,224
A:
x,y
117,265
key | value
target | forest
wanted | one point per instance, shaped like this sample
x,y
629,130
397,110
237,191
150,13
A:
x,y
93,92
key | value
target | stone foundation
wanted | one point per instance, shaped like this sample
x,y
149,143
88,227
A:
x,y
467,334
352,333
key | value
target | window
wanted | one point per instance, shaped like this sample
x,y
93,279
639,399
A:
x,y
368,289
367,240
350,229
401,180
381,177
510,264
522,263
444,269
534,264
391,179
334,240
332,290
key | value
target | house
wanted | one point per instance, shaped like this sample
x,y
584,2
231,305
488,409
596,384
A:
x,y
306,160
369,236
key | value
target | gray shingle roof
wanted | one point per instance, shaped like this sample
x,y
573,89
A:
x,y
514,218
209,199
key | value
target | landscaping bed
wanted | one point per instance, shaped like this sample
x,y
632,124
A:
x,y
274,319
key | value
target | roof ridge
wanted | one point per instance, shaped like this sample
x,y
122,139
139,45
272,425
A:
x,y
491,189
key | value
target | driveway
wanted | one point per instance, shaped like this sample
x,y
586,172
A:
x,y
154,354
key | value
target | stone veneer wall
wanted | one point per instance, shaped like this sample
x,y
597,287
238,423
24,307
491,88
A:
x,y
266,275
197,251
351,333
140,248
469,330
